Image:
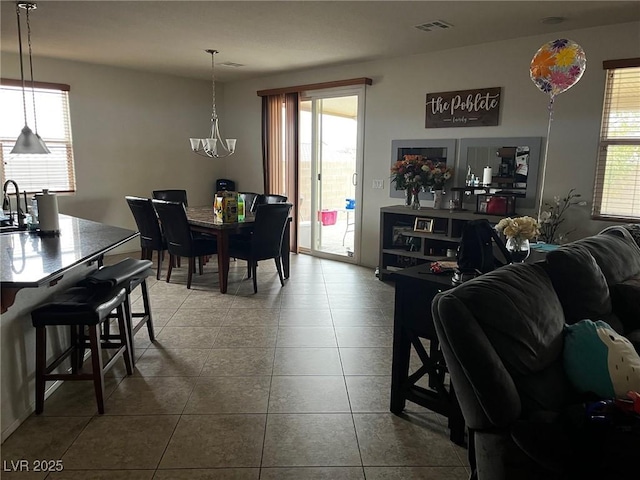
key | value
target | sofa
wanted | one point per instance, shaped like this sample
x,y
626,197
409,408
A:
x,y
502,336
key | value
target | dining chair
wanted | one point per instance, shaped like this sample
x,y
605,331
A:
x,y
151,236
268,199
249,200
171,196
181,241
265,241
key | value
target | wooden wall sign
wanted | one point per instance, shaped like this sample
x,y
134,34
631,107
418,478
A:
x,y
464,108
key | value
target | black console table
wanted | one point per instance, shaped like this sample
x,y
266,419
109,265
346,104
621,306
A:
x,y
415,289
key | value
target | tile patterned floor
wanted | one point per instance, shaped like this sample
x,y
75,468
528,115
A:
x,y
289,384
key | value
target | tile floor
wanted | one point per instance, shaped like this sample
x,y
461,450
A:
x,y
289,384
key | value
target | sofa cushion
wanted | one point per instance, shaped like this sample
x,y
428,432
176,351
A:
x,y
625,298
580,285
615,252
598,360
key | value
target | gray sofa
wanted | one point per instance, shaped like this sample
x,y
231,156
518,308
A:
x,y
502,338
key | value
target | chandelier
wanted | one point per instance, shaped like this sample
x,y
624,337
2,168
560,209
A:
x,y
214,146
27,142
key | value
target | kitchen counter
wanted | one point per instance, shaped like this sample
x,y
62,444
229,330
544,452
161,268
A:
x,y
29,260
33,269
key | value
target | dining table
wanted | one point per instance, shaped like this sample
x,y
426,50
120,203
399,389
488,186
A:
x,y
204,220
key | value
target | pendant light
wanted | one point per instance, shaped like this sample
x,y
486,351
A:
x,y
214,146
28,142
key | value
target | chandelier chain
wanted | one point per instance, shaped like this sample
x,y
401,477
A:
x,y
214,115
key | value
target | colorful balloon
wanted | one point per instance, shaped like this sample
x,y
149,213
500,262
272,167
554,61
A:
x,y
557,66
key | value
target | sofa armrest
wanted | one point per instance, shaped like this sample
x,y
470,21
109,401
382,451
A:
x,y
485,390
502,336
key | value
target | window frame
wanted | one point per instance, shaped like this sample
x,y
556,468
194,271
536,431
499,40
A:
x,y
610,67
65,142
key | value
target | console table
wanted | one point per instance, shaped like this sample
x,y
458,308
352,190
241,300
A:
x,y
412,323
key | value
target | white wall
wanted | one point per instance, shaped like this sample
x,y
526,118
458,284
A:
x,y
395,110
131,136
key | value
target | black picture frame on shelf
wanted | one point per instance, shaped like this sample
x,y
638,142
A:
x,y
443,150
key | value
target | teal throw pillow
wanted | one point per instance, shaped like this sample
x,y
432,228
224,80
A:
x,y
599,360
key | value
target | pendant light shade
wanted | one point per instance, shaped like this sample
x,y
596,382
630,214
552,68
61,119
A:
x,y
28,142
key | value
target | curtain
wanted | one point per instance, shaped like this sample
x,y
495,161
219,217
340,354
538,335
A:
x,y
272,154
280,150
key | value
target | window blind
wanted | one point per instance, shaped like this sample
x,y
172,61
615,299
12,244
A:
x,y
617,182
32,173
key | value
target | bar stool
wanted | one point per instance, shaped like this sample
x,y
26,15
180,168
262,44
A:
x,y
80,308
129,274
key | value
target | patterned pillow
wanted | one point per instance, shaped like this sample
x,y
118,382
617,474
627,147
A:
x,y
599,360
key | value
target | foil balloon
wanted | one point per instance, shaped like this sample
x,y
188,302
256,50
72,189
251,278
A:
x,y
557,66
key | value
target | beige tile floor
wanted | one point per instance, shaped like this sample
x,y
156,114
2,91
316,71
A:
x,y
289,384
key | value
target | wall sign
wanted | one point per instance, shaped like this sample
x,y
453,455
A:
x,y
464,108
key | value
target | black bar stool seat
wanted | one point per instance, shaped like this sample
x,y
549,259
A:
x,y
129,274
81,308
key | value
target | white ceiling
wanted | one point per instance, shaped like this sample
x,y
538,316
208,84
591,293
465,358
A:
x,y
270,37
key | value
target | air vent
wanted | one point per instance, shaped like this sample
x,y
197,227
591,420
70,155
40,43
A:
x,y
435,25
231,64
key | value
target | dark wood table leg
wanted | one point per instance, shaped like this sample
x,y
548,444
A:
x,y
285,252
400,357
223,259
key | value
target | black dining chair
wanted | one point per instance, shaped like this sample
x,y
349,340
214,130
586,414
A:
x,y
181,241
249,200
265,241
151,236
268,199
171,196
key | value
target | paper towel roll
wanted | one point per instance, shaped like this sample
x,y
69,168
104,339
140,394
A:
x,y
48,211
487,176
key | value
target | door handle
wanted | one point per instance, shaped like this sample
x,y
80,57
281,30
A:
x,y
354,179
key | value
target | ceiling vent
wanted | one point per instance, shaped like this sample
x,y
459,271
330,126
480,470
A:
x,y
231,64
435,25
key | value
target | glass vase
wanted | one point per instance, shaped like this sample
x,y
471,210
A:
x,y
519,249
437,199
415,204
408,198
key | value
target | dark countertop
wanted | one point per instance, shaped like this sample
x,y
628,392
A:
x,y
30,260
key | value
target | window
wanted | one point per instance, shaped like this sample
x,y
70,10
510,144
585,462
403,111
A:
x,y
617,184
32,173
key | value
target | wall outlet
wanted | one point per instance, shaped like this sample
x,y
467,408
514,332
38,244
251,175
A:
x,y
378,184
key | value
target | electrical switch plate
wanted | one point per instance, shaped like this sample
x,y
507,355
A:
x,y
378,184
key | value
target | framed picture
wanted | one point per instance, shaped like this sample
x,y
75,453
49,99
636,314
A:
x,y
398,236
443,150
423,225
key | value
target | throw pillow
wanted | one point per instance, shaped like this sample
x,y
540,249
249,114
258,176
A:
x,y
600,361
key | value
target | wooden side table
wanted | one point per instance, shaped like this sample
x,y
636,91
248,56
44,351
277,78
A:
x,y
415,289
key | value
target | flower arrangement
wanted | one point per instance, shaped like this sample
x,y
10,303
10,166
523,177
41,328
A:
x,y
520,228
552,217
414,172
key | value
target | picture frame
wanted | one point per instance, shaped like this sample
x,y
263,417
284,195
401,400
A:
x,y
398,236
423,225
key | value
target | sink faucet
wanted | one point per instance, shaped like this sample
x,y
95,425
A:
x,y
7,204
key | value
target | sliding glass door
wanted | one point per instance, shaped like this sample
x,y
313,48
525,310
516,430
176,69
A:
x,y
330,166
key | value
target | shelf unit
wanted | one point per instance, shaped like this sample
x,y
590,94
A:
x,y
401,247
